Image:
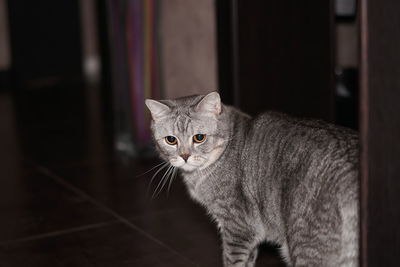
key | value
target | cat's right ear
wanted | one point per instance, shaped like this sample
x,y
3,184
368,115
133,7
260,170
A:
x,y
211,103
157,109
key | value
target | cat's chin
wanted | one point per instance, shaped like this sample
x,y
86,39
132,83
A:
x,y
188,168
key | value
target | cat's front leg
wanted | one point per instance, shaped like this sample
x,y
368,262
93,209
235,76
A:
x,y
239,248
252,258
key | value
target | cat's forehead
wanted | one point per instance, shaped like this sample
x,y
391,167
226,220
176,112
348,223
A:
x,y
195,124
183,119
184,124
182,105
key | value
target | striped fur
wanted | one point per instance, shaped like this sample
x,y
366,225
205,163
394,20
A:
x,y
272,178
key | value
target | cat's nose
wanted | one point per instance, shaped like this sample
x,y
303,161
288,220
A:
x,y
185,156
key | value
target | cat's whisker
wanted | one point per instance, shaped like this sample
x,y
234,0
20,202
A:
x,y
203,172
155,174
151,169
171,179
161,181
202,157
163,178
169,176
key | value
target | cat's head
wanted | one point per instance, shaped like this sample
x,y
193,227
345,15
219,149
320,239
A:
x,y
190,132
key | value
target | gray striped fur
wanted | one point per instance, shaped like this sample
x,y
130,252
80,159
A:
x,y
274,178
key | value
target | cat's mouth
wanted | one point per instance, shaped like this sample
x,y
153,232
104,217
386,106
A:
x,y
189,164
184,165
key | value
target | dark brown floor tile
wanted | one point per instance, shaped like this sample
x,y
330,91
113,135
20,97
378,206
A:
x,y
187,228
33,204
68,142
113,245
11,156
118,187
191,233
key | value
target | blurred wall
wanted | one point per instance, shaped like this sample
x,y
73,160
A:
x,y
45,39
4,40
347,45
188,47
90,50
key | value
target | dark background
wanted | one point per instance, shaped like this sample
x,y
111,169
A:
x,y
71,197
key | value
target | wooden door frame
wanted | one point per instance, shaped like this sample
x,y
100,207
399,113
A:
x,y
380,132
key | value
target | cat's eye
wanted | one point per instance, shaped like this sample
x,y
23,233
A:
x,y
199,138
171,140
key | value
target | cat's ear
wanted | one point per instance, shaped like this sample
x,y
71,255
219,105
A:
x,y
157,109
211,103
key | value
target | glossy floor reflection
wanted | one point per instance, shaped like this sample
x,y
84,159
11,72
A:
x,y
68,200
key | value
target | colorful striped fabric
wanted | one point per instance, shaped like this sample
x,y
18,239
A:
x,y
133,29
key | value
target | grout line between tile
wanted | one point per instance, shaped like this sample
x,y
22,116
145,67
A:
x,y
77,229
58,233
111,212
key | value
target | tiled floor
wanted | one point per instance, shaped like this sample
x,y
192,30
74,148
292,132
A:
x,y
68,200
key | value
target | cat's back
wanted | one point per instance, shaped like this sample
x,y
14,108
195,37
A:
x,y
282,146
273,130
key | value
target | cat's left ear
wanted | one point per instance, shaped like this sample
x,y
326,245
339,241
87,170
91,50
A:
x,y
211,103
157,109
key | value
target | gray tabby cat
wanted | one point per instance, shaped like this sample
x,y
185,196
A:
x,y
270,178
